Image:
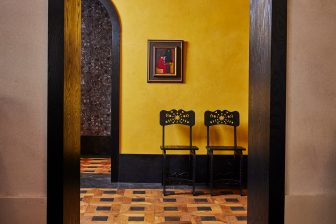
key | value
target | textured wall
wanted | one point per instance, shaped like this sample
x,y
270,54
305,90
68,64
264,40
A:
x,y
311,106
23,111
96,64
216,67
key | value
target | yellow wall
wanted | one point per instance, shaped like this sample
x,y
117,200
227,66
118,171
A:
x,y
216,67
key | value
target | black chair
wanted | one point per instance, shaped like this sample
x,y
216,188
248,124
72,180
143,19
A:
x,y
224,117
178,117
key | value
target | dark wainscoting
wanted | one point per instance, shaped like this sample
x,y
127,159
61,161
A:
x,y
146,168
97,145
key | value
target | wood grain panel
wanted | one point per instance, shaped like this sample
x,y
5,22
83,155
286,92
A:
x,y
71,153
259,97
267,111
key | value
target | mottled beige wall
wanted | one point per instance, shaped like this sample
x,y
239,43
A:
x,y
23,111
311,112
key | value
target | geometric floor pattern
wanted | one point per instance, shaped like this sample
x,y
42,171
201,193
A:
x,y
150,206
95,165
119,205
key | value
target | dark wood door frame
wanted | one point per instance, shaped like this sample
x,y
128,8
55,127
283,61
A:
x,y
267,114
115,93
267,111
64,43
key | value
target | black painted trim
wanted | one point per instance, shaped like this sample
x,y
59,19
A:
x,y
147,168
97,145
55,112
278,112
115,80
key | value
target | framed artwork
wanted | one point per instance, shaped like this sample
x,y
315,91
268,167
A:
x,y
164,63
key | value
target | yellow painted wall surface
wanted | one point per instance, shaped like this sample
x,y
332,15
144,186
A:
x,y
216,36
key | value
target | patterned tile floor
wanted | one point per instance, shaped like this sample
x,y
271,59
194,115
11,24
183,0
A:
x,y
95,165
149,206
120,205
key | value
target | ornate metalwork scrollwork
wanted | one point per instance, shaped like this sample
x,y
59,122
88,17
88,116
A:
x,y
221,117
177,117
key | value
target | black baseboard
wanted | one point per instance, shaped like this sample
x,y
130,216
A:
x,y
96,145
95,156
144,168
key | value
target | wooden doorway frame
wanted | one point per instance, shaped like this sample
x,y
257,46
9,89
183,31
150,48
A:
x,y
267,112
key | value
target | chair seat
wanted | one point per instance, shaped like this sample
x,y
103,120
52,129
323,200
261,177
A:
x,y
178,147
225,148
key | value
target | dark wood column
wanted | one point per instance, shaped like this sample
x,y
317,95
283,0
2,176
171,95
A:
x,y
267,111
63,111
55,112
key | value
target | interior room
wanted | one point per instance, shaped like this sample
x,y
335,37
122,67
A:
x,y
206,53
223,44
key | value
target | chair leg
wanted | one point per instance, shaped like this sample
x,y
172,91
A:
x,y
241,174
194,173
164,173
162,162
211,171
190,162
209,168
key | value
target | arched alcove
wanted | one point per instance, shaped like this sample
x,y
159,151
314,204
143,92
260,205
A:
x,y
100,62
